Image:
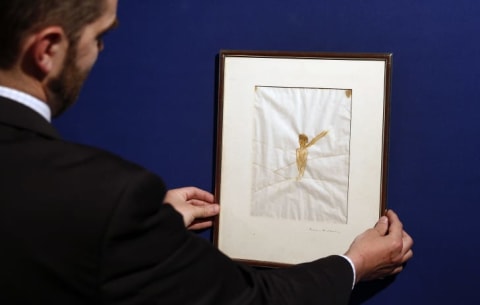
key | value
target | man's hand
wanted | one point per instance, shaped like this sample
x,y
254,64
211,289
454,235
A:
x,y
381,251
196,206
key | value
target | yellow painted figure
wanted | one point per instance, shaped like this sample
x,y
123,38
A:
x,y
302,151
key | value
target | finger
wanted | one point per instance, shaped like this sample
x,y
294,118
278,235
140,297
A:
x,y
397,270
197,202
407,256
200,225
199,194
205,211
407,244
396,227
382,225
407,239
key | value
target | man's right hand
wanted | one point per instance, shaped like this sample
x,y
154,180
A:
x,y
381,251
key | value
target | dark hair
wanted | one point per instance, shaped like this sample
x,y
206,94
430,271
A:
x,y
19,18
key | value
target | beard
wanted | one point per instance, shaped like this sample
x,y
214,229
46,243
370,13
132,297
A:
x,y
64,89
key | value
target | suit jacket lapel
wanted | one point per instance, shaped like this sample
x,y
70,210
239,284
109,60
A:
x,y
20,116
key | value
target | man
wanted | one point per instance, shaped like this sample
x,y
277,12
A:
x,y
81,226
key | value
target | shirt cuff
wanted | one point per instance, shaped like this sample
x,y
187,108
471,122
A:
x,y
353,269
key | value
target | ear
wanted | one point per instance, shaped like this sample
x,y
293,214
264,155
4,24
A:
x,y
48,49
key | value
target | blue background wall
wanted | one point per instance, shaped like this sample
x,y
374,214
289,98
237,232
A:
x,y
152,99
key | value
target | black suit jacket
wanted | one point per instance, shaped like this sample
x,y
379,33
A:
x,y
82,226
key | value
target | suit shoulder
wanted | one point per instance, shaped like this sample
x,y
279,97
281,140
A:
x,y
90,157
87,167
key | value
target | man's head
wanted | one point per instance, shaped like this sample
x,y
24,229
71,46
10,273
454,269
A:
x,y
51,45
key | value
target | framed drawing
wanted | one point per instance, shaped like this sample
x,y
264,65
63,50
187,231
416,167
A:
x,y
301,153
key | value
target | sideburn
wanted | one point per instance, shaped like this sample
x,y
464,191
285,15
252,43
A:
x,y
65,89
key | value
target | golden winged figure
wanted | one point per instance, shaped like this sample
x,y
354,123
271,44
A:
x,y
302,151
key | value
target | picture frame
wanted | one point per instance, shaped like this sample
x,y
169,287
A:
x,y
301,152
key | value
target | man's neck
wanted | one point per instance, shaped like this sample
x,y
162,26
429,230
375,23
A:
x,y
27,100
22,89
16,80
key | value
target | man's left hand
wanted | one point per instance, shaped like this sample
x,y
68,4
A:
x,y
196,206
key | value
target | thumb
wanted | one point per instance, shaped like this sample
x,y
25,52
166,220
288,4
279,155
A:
x,y
382,225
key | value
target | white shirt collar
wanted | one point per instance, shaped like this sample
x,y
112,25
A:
x,y
27,100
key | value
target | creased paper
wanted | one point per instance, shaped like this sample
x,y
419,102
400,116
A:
x,y
301,153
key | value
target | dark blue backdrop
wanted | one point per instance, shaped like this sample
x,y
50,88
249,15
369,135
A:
x,y
152,99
